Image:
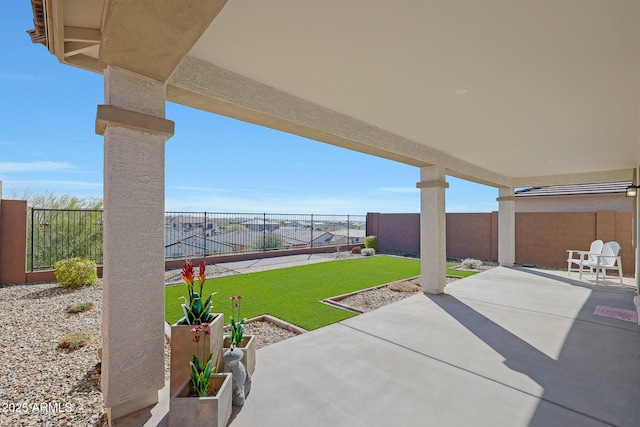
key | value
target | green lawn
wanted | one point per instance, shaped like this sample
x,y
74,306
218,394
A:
x,y
293,294
459,273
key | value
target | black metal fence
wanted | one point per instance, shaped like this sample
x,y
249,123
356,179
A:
x,y
56,234
196,234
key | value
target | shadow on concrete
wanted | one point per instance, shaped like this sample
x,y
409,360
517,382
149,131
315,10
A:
x,y
595,377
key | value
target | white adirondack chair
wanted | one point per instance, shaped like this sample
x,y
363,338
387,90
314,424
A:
x,y
609,260
585,257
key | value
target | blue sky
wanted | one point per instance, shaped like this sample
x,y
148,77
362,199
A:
x,y
213,163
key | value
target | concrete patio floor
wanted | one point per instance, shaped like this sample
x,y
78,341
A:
x,y
507,347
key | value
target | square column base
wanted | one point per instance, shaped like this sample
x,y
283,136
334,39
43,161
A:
x,y
130,406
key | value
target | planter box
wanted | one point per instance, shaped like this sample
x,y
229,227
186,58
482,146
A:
x,y
211,411
248,347
183,348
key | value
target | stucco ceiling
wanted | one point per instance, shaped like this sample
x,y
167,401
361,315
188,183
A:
x,y
552,87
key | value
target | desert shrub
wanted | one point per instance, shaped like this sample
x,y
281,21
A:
x,y
74,341
368,251
372,242
79,308
471,264
405,286
76,272
356,250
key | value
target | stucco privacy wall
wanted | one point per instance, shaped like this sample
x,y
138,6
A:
x,y
472,236
13,236
399,231
542,238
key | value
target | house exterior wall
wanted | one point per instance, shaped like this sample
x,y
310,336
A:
x,y
581,203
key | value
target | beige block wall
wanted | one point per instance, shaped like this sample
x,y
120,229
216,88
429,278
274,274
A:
x,y
470,236
542,238
398,230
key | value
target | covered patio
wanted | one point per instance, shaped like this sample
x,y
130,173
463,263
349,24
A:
x,y
508,347
506,94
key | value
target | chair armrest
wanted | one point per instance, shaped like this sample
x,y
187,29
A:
x,y
606,256
582,254
578,252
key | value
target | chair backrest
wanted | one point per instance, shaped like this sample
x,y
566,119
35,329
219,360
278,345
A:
x,y
611,249
596,248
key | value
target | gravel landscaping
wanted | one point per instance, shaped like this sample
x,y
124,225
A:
x,y
43,385
379,297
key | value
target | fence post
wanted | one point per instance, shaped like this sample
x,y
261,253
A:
x,y
348,228
32,247
204,235
264,232
311,237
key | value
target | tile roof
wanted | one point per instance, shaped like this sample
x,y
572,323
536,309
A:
x,y
570,190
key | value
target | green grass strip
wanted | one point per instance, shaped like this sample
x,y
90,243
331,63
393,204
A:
x,y
459,273
293,294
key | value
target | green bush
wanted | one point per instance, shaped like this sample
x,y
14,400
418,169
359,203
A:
x,y
372,242
76,272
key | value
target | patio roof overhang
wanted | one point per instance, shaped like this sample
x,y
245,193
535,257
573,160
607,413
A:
x,y
502,93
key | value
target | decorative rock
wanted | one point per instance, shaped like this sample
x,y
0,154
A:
x,y
241,378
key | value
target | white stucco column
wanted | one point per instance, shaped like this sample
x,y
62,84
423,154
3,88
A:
x,y
506,227
135,131
433,253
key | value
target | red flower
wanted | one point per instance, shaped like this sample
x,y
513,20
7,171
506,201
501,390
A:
x,y
187,273
202,276
196,329
232,298
196,339
205,326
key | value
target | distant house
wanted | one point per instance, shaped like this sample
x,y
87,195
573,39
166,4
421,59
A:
x,y
261,225
191,243
575,198
296,237
349,236
188,222
298,224
241,240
